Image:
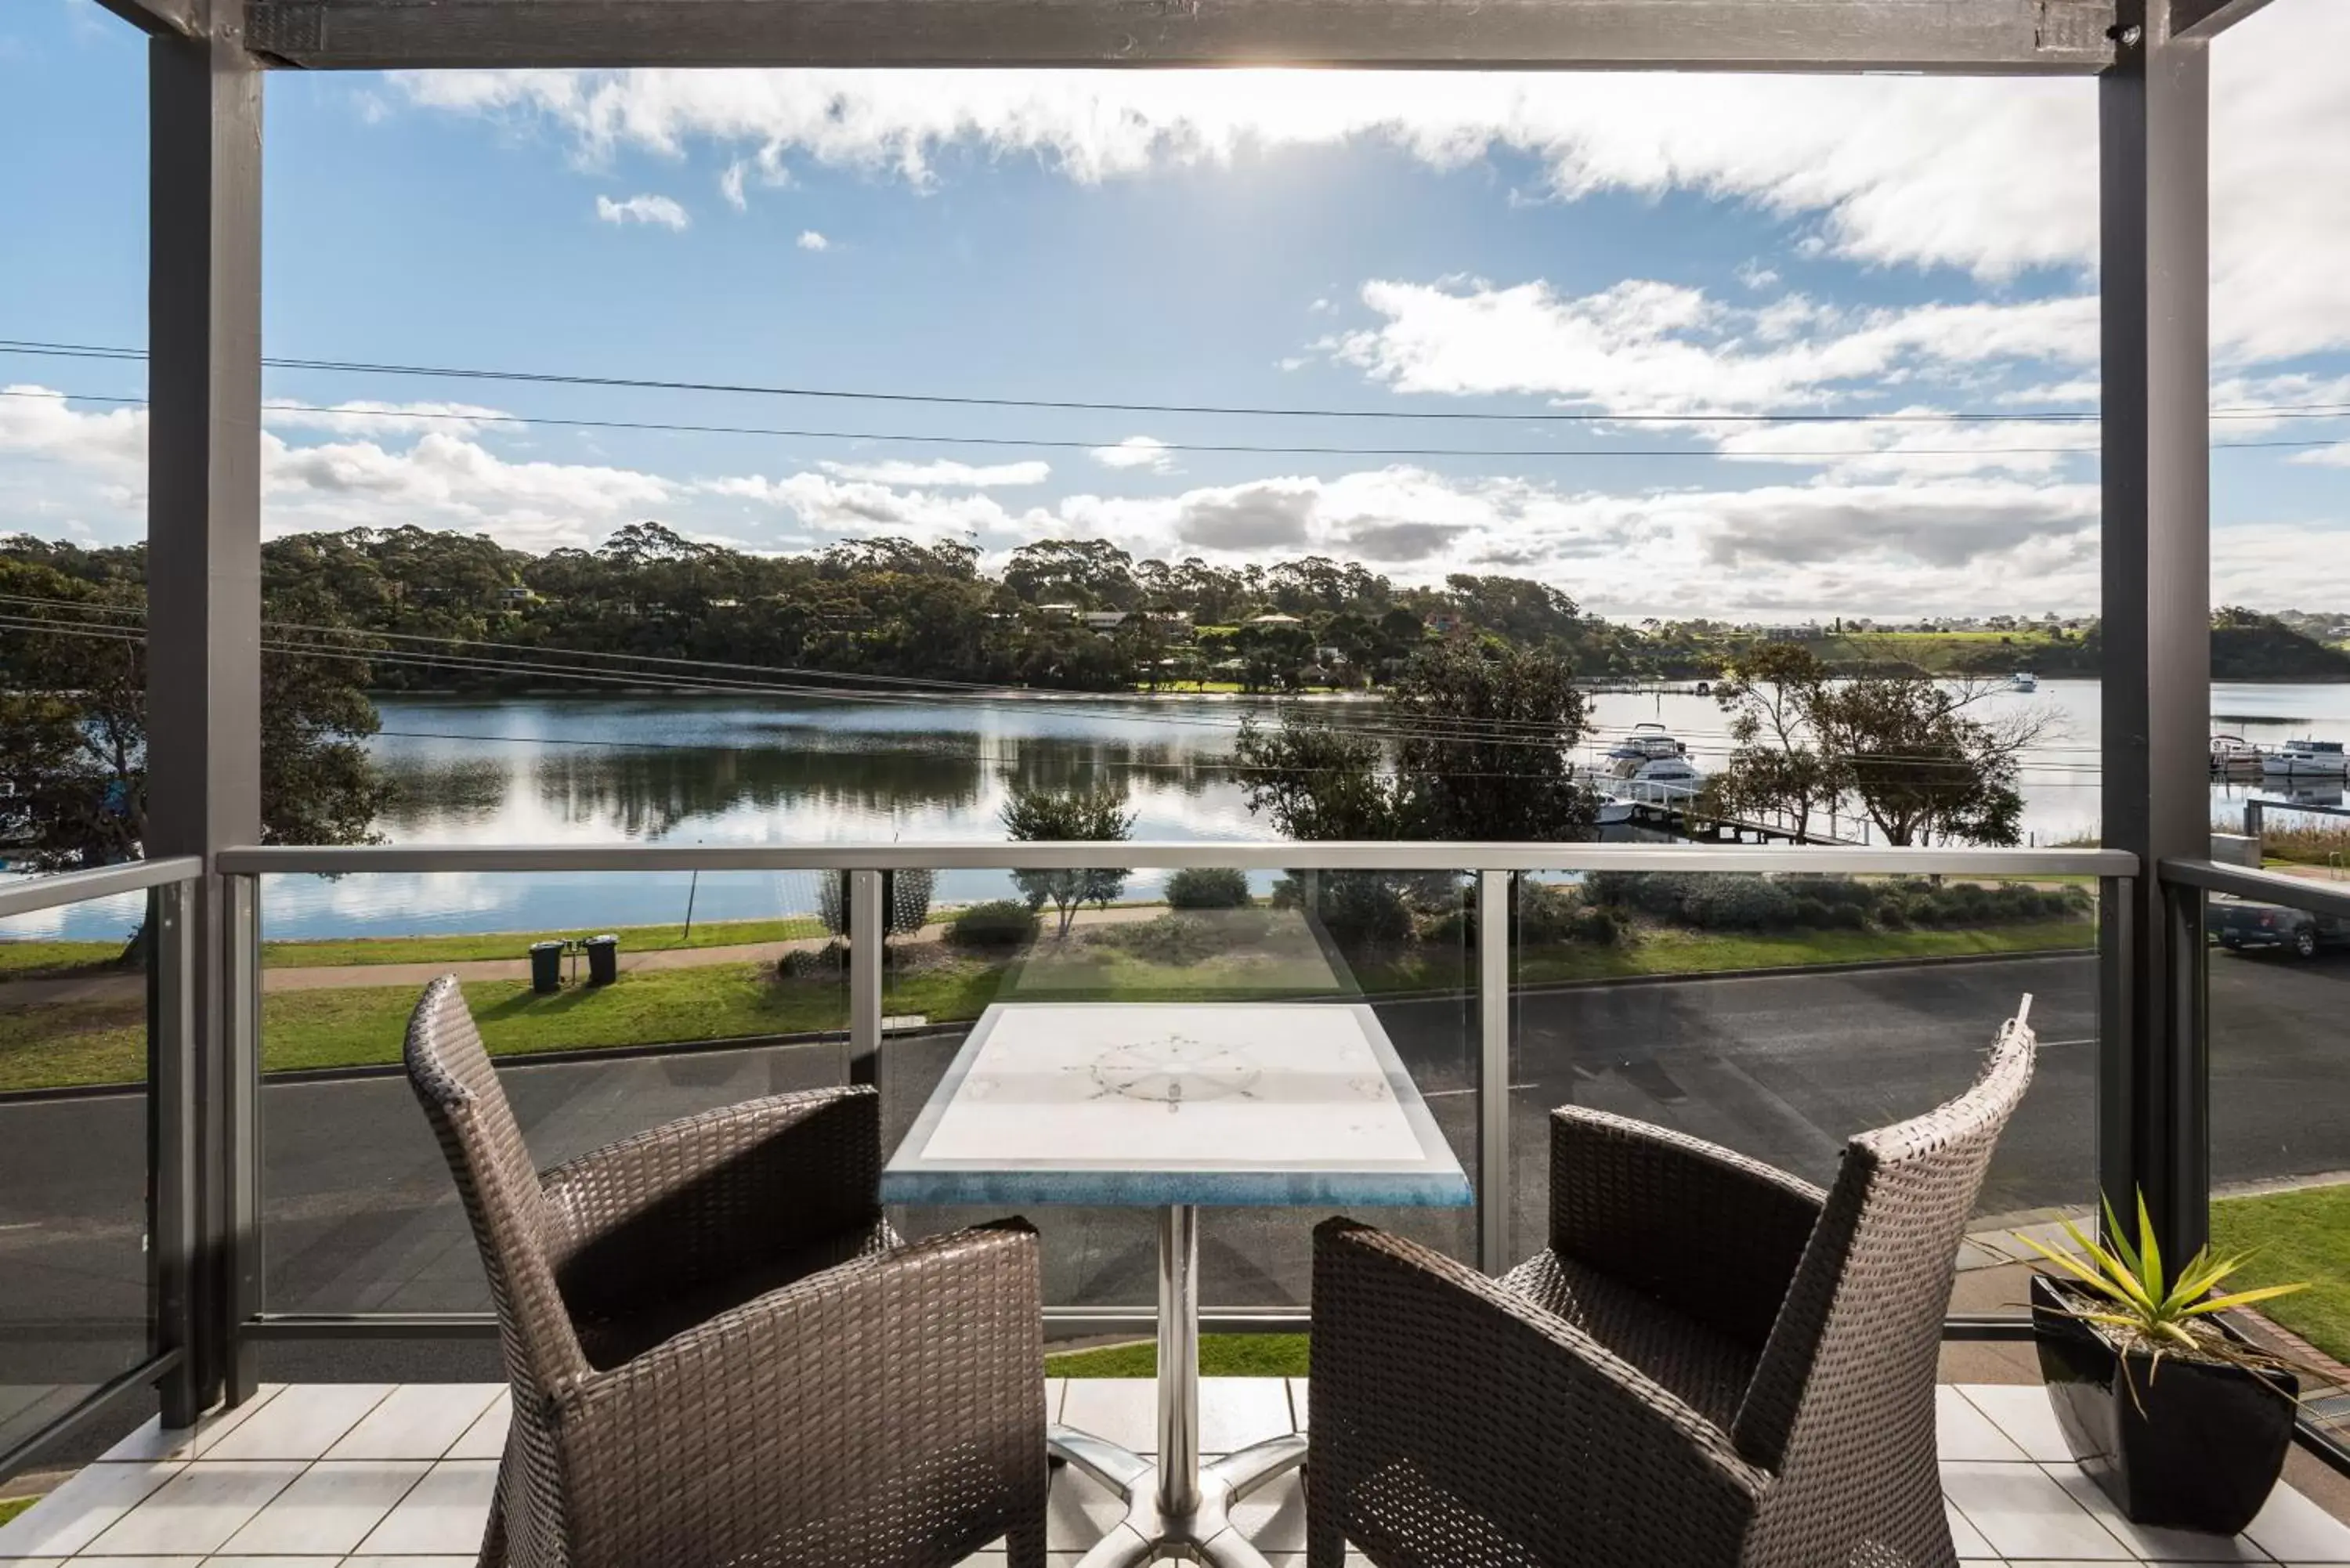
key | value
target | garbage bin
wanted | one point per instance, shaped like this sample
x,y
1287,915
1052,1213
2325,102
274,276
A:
x,y
603,959
545,967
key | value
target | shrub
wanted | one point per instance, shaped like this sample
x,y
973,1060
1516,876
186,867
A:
x,y
1362,905
1813,913
801,963
1730,903
1208,887
1180,939
999,923
1546,911
1595,925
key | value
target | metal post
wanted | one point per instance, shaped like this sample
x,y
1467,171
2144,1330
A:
x,y
171,1231
2255,823
1179,1361
2154,115
203,546
241,1155
866,927
1493,1195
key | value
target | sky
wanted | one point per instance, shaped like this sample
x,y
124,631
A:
x,y
1668,257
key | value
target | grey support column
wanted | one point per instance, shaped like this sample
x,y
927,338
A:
x,y
203,568
2154,123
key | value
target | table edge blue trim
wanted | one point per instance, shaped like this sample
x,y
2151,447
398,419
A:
x,y
1156,1189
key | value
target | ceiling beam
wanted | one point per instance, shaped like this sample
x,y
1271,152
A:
x,y
2209,18
178,18
1985,37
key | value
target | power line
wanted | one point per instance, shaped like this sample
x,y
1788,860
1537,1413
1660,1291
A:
x,y
1228,448
544,378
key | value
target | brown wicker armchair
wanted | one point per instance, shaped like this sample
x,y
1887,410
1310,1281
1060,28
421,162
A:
x,y
719,1352
1713,1363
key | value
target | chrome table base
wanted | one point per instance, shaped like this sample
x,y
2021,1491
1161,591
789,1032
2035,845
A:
x,y
1177,1507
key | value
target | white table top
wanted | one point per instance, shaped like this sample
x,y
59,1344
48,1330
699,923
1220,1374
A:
x,y
1207,1102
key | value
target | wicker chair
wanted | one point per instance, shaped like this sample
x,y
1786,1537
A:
x,y
719,1352
1713,1363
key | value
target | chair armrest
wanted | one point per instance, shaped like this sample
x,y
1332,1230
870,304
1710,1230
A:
x,y
1456,1421
803,1425
709,1197
1710,1231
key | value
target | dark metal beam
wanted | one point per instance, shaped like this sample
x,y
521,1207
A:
x,y
179,18
2154,121
1960,36
203,573
2209,18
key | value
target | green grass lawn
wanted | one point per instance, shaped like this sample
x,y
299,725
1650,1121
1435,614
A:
x,y
2300,1235
62,1044
11,1506
464,947
1221,1355
38,960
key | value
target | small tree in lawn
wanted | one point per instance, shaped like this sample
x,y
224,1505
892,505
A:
x,y
1768,691
1924,768
1036,815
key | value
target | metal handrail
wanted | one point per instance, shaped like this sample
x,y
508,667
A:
x,y
1256,855
36,893
2267,887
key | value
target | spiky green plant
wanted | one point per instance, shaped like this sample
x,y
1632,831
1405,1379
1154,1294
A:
x,y
2138,1300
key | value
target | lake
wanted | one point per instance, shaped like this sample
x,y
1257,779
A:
x,y
727,771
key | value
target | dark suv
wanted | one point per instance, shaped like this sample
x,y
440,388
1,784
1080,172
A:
x,y
2239,923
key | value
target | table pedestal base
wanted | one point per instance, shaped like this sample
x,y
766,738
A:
x,y
1177,1507
1149,1532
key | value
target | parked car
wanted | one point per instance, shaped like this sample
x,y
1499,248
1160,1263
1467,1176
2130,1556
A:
x,y
2239,923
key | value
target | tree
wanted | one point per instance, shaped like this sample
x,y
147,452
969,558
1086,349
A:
x,y
1044,815
73,727
1769,690
1921,767
1484,738
1488,734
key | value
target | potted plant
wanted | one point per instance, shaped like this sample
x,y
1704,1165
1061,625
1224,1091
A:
x,y
2182,1424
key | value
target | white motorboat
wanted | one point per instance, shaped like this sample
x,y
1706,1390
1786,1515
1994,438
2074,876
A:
x,y
2308,759
2023,681
1648,743
2232,755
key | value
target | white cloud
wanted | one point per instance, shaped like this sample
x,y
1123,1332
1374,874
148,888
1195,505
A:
x,y
1142,451
810,240
1994,176
730,186
657,210
364,418
824,505
1643,346
942,472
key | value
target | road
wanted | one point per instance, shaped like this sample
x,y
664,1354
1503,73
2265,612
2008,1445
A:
x,y
361,1216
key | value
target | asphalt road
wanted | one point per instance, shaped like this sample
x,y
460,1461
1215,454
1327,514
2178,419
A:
x,y
361,1216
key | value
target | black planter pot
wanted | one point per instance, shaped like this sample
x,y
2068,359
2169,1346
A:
x,y
2191,1445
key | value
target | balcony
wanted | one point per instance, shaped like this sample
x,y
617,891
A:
x,y
361,1296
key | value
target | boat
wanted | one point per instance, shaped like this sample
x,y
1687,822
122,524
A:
x,y
1648,743
2023,681
2233,755
2308,759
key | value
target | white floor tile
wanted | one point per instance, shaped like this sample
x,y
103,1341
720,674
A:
x,y
1963,1433
221,1562
329,1509
2151,1541
2022,1512
1079,1510
1273,1517
1966,1539
197,1510
444,1513
2020,1410
154,1441
302,1423
1237,1411
74,1515
1122,1410
2292,1529
417,1421
486,1439
466,1559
